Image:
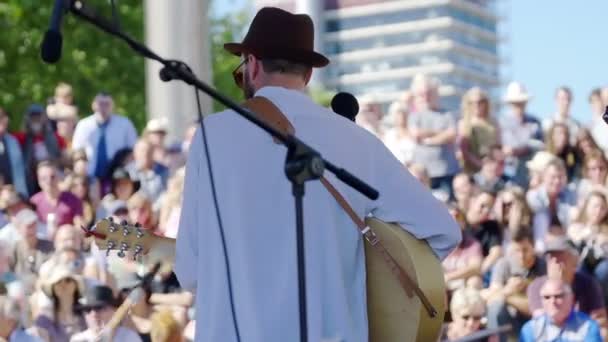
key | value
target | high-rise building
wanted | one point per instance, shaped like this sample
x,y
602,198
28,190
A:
x,y
377,46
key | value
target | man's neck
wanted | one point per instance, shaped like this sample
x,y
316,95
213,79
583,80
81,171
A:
x,y
52,195
563,114
101,118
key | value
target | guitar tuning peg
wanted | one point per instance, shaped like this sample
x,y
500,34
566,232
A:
x,y
112,228
111,219
124,223
139,233
121,254
137,251
110,246
137,225
125,231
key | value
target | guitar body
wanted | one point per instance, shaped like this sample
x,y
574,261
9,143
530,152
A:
x,y
393,315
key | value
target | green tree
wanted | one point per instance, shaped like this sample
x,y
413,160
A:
x,y
91,60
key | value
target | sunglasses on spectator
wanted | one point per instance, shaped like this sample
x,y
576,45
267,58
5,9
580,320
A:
x,y
556,296
473,317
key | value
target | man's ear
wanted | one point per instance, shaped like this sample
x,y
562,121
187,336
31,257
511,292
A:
x,y
308,76
254,64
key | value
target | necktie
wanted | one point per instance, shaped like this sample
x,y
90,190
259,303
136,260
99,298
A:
x,y
102,153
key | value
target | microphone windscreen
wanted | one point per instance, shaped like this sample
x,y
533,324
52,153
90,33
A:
x,y
50,51
346,105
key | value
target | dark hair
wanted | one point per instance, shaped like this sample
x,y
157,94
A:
x,y
46,163
283,66
55,300
522,234
595,92
565,89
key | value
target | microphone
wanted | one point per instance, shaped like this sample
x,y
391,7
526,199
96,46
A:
x,y
346,105
50,49
605,115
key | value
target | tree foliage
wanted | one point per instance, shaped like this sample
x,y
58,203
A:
x,y
91,60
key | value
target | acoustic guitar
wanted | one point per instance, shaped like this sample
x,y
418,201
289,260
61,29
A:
x,y
393,314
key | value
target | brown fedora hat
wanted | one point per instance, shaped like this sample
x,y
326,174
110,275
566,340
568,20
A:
x,y
278,34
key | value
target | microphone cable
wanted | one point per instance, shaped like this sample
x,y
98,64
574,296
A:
x,y
217,213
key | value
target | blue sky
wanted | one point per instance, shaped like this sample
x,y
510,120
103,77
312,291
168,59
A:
x,y
548,44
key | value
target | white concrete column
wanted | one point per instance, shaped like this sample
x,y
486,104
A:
x,y
314,8
177,30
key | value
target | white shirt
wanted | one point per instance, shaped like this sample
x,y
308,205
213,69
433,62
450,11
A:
x,y
258,216
120,133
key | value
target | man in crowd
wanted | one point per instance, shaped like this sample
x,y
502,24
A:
x,y
560,321
12,167
563,101
562,260
521,134
102,134
506,297
10,316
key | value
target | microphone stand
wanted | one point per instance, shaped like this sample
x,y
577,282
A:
x,y
302,163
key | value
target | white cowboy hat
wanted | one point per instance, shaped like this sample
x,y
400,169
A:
x,y
157,125
516,93
57,273
540,161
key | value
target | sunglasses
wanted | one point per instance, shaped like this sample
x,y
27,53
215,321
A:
x,y
467,317
556,296
237,74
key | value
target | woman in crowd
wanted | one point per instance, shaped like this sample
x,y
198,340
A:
x,y
140,211
64,287
398,138
590,234
486,230
477,129
468,310
462,267
595,172
558,143
512,212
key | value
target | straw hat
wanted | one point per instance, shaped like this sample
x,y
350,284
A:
x,y
540,160
157,125
516,93
58,273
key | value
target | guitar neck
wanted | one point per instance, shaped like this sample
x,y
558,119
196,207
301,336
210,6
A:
x,y
161,249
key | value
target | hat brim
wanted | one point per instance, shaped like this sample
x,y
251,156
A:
x,y
518,99
312,58
47,287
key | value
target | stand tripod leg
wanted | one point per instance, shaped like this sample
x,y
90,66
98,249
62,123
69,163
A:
x,y
298,193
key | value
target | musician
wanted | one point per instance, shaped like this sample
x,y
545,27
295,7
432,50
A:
x,y
257,209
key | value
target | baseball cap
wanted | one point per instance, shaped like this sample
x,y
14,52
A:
x,y
560,244
26,217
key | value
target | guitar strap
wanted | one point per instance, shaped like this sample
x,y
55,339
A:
x,y
267,110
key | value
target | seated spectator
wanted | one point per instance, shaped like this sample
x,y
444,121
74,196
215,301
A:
x,y
552,203
397,137
80,167
64,288
79,187
468,309
434,133
98,306
506,296
560,320
165,328
65,207
490,177
464,190
563,101
172,205
12,203
151,175
559,145
462,266
599,130
478,131
594,172
155,134
30,252
140,211
10,322
521,134
123,187
562,260
512,212
485,230
536,168
12,165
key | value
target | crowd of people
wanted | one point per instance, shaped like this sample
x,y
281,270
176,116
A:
x,y
531,197
61,173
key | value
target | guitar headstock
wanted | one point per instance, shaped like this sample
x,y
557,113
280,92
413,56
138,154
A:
x,y
121,236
